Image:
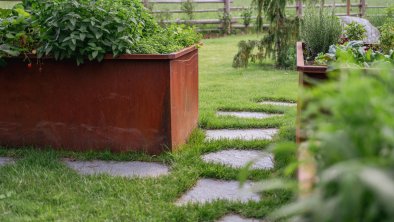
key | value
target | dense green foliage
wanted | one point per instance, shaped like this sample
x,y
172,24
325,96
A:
x,y
387,36
17,33
354,52
320,28
83,29
355,31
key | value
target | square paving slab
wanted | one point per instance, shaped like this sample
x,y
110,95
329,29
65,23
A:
x,y
6,160
208,190
239,158
237,218
248,115
113,168
273,103
242,134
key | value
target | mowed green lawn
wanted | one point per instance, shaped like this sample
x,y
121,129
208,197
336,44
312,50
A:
x,y
40,188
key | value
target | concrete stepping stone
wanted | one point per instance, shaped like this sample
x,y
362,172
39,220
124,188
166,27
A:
x,y
208,190
248,115
113,168
6,160
239,158
237,218
242,134
274,103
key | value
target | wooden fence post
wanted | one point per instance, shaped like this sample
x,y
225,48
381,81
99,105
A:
x,y
227,13
348,8
362,8
146,3
299,8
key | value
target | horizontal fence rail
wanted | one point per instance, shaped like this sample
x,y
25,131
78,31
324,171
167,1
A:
x,y
237,22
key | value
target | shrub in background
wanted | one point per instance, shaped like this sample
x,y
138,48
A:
x,y
188,8
247,17
355,31
320,29
387,36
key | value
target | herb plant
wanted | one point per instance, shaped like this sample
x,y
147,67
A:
x,y
320,28
355,31
354,52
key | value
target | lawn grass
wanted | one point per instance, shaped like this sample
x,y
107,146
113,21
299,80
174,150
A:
x,y
40,188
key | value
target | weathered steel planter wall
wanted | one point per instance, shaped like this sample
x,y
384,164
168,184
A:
x,y
308,76
308,73
131,103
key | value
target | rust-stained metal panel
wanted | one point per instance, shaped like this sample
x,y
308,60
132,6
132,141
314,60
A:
x,y
119,104
184,97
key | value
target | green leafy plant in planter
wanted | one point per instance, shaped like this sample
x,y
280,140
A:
x,y
83,29
18,34
320,29
355,52
355,31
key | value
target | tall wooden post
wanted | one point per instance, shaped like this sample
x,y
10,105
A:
x,y
146,3
227,11
348,7
299,8
362,8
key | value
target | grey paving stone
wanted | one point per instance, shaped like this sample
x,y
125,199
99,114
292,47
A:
x,y
208,190
243,134
249,115
239,158
273,103
6,160
237,218
124,169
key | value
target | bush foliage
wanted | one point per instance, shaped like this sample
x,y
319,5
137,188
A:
x,y
320,29
355,31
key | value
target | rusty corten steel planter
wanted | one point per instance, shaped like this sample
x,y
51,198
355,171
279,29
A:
x,y
308,73
308,76
143,103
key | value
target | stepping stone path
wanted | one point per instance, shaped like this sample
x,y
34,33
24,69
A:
x,y
273,103
239,158
6,160
243,134
124,169
237,218
208,190
250,115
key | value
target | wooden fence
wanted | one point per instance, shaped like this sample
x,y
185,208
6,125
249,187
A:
x,y
237,22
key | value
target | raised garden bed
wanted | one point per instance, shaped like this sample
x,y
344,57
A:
x,y
130,103
308,74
